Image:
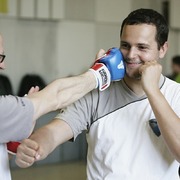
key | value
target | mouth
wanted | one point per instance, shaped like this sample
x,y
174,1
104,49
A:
x,y
132,62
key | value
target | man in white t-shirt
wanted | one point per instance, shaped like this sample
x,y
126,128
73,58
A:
x,y
133,127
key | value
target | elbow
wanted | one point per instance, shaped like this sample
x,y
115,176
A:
x,y
177,156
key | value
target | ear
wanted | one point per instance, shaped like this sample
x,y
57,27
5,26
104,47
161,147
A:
x,y
163,50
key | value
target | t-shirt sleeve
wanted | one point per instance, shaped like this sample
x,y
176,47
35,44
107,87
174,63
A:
x,y
16,117
79,114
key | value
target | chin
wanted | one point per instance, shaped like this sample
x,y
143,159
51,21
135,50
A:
x,y
134,76
138,77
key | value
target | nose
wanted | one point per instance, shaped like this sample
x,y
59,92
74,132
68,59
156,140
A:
x,y
132,53
2,65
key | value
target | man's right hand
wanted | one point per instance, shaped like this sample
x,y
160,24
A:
x,y
27,153
108,67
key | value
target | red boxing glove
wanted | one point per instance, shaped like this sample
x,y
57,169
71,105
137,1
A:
x,y
12,147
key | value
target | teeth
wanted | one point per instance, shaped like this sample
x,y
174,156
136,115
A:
x,y
129,62
133,63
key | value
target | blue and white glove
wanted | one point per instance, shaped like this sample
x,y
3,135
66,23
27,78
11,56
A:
x,y
109,67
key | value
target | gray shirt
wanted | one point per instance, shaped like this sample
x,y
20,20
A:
x,y
16,115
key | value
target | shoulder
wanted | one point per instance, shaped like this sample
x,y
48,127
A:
x,y
15,103
170,88
171,83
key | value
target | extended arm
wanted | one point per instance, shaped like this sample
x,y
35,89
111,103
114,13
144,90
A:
x,y
56,95
18,112
61,93
42,142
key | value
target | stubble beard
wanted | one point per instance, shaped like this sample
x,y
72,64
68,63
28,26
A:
x,y
135,75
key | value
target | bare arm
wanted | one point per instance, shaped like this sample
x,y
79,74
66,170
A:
x,y
168,121
61,93
43,142
58,94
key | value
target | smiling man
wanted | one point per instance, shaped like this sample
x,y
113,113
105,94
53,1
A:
x,y
121,142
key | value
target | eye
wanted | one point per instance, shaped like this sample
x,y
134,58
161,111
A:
x,y
125,46
142,48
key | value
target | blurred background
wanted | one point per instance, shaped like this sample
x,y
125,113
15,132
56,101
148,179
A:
x,y
50,39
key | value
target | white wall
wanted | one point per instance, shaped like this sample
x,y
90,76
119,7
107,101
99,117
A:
x,y
31,47
68,46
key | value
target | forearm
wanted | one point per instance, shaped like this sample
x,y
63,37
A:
x,y
61,93
73,88
168,121
42,142
50,136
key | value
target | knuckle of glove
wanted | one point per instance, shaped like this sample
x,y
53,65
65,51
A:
x,y
115,63
109,67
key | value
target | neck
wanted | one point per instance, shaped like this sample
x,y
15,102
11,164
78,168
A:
x,y
134,85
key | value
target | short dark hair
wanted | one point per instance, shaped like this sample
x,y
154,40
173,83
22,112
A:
x,y
176,59
151,17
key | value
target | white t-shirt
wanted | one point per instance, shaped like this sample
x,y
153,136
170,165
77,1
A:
x,y
121,144
4,166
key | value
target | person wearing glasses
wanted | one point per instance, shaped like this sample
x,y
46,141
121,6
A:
x,y
2,57
133,127
19,114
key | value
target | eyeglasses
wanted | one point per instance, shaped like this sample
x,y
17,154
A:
x,y
154,126
2,57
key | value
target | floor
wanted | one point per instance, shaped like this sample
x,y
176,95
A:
x,y
63,171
